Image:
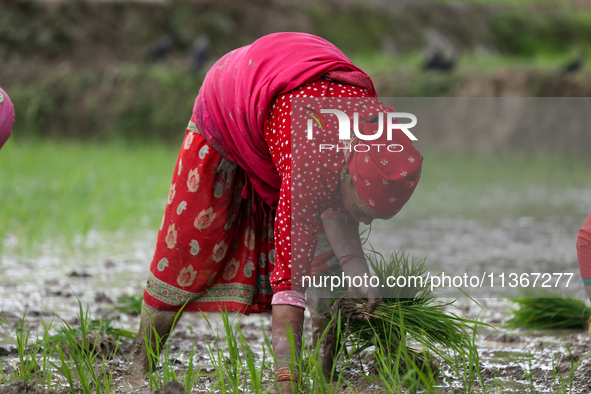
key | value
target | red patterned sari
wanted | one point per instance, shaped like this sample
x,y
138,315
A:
x,y
215,252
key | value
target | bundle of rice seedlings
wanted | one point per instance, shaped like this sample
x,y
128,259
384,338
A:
x,y
544,309
407,314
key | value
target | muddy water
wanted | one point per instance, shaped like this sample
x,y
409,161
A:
x,y
459,246
112,265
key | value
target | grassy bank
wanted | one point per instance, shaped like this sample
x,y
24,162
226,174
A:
x,y
79,69
151,103
77,27
128,103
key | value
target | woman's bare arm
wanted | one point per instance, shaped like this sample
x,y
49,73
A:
x,y
344,239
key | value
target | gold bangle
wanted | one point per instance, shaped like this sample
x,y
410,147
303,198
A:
x,y
284,374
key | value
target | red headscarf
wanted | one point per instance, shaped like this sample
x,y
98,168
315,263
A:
x,y
385,178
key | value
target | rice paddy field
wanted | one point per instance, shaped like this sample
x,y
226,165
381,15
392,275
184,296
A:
x,y
77,227
100,120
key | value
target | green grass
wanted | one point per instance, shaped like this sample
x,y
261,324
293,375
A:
x,y
80,364
52,191
68,357
102,325
236,369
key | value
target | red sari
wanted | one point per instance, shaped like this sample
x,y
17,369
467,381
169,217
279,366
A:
x,y
216,246
215,249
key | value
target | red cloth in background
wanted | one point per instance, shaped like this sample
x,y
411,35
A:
x,y
584,249
6,117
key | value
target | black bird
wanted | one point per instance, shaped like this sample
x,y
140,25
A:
x,y
437,61
161,49
200,51
574,65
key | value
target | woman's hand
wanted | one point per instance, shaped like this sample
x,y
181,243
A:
x,y
357,267
344,240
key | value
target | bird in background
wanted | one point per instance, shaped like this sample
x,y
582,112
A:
x,y
199,52
161,49
440,53
575,64
439,61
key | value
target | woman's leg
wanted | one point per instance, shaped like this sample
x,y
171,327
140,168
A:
x,y
285,316
318,301
152,321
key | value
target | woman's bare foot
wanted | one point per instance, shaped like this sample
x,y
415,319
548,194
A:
x,y
151,320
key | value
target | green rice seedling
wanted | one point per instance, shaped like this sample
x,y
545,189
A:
x,y
496,385
342,367
168,373
255,373
78,366
102,325
544,309
574,366
471,370
558,379
318,384
268,345
295,363
235,363
308,368
529,375
562,384
27,363
190,376
571,376
216,356
3,322
402,365
65,368
410,314
227,369
48,348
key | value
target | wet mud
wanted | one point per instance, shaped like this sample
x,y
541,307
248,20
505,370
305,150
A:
x,y
545,361
512,361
